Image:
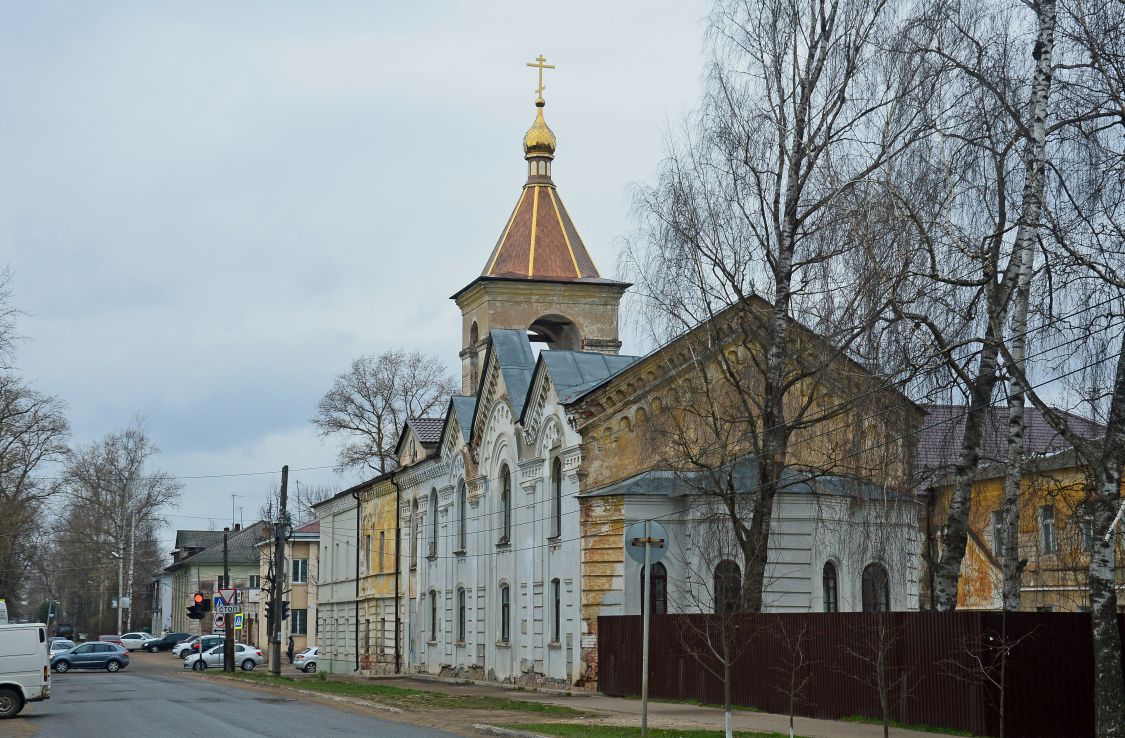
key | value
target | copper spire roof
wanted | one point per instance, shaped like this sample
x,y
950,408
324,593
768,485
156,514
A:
x,y
540,241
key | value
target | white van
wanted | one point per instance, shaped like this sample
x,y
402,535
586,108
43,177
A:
x,y
25,667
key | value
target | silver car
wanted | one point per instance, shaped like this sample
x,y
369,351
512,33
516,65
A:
x,y
58,645
306,660
246,657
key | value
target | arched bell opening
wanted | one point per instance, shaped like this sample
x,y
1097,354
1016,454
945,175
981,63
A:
x,y
554,332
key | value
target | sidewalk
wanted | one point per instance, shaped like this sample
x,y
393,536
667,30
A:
x,y
621,711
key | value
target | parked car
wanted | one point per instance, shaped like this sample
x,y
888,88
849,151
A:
x,y
92,655
24,662
166,642
306,660
64,631
133,641
208,642
180,649
110,638
247,657
58,645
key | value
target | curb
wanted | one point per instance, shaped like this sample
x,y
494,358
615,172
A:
x,y
320,695
573,692
506,732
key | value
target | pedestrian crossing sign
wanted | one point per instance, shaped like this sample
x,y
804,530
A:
x,y
238,621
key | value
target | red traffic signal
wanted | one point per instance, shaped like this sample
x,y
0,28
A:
x,y
199,598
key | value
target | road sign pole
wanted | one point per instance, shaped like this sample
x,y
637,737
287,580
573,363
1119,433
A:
x,y
228,626
274,623
647,599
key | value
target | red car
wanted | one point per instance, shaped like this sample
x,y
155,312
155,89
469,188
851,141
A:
x,y
110,639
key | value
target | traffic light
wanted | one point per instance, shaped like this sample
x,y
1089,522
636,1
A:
x,y
284,610
196,610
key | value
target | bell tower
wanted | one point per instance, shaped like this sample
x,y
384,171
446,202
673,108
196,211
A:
x,y
539,276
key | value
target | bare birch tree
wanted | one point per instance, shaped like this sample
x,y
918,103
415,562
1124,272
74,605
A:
x,y
369,403
117,498
757,214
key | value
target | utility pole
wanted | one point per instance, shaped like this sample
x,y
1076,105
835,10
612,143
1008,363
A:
x,y
279,527
120,585
228,620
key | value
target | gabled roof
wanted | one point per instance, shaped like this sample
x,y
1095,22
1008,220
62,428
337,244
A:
x,y
186,539
939,440
511,351
428,430
573,372
463,407
242,548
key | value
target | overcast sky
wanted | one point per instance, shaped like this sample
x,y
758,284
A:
x,y
211,208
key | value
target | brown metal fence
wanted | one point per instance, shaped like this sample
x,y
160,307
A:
x,y
942,669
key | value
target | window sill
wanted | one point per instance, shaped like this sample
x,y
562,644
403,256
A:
x,y
554,646
459,644
431,643
503,644
431,557
503,543
459,552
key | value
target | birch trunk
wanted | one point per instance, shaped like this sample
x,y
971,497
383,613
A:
x,y
1027,230
947,572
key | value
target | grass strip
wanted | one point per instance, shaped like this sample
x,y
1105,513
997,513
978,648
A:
x,y
570,730
413,699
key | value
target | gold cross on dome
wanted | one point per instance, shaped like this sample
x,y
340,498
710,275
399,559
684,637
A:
x,y
540,63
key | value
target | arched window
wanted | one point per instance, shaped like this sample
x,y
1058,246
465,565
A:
x,y
462,517
876,589
433,523
556,498
433,615
461,615
556,611
728,587
831,589
505,613
505,504
658,586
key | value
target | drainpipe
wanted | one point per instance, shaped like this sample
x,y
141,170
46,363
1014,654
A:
x,y
398,538
355,495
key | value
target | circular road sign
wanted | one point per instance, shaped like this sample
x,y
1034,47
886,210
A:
x,y
635,541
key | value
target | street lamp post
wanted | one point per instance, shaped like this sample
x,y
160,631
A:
x,y
120,585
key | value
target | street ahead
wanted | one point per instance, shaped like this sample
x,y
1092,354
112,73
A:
x,y
147,701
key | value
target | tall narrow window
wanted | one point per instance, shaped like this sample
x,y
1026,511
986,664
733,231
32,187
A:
x,y
876,589
658,589
830,588
379,639
300,571
556,498
433,615
556,611
461,615
997,521
367,560
505,504
382,550
728,587
433,523
414,534
462,516
1047,540
505,613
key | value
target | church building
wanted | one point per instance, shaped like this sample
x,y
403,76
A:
x,y
512,506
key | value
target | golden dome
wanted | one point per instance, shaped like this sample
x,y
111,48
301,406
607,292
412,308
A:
x,y
540,139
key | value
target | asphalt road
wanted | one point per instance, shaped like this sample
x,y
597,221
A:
x,y
150,701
